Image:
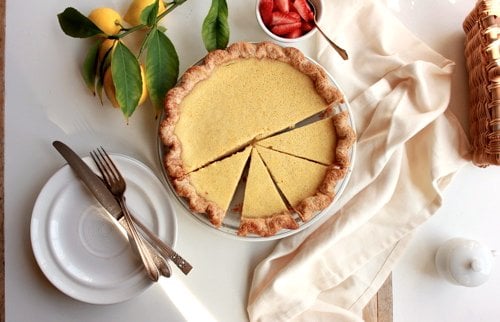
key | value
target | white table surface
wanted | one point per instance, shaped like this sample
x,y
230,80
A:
x,y
46,100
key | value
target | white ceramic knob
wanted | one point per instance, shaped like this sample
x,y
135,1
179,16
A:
x,y
464,262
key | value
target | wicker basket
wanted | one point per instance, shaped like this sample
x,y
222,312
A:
x,y
482,54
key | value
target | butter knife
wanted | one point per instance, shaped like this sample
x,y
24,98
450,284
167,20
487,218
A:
x,y
108,201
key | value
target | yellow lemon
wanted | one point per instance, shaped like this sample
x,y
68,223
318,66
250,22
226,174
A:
x,y
109,88
133,15
105,47
107,19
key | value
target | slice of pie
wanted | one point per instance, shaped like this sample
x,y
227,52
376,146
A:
x,y
308,186
325,141
264,212
211,189
238,95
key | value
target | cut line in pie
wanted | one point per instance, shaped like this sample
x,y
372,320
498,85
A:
x,y
264,212
255,95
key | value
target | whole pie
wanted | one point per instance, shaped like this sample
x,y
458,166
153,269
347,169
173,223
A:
x,y
243,97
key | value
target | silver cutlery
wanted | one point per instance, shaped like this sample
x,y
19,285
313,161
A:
x,y
99,189
117,185
164,249
105,197
100,156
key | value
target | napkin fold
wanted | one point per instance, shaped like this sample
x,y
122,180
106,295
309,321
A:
x,y
408,149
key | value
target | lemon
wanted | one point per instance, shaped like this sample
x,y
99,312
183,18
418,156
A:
x,y
133,15
107,19
105,47
109,88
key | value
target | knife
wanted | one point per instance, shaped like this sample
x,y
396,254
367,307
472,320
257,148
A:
x,y
108,201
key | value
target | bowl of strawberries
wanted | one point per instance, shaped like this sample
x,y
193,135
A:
x,y
288,20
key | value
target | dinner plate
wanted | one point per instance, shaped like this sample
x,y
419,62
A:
x,y
231,222
81,249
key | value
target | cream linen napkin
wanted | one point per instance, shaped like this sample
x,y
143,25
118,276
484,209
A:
x,y
408,149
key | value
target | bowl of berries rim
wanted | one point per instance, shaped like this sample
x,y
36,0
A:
x,y
288,21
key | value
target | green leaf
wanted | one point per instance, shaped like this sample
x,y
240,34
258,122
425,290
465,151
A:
x,y
127,78
146,39
215,29
101,69
75,24
149,13
162,67
89,68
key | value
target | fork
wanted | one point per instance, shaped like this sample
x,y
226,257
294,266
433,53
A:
x,y
164,250
117,186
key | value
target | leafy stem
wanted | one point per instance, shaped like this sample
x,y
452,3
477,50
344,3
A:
x,y
112,66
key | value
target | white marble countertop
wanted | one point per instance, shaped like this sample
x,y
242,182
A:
x,y
46,100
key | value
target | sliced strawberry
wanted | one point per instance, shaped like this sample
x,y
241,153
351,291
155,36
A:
x,y
306,27
282,5
284,29
266,11
296,33
303,9
280,18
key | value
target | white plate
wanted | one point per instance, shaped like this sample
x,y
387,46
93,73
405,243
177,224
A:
x,y
76,243
231,222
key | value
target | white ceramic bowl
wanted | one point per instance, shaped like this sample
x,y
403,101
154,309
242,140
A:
x,y
319,10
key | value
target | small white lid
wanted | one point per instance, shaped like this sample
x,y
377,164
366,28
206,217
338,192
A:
x,y
469,262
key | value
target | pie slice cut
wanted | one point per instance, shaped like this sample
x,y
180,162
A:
x,y
264,212
307,186
210,189
325,141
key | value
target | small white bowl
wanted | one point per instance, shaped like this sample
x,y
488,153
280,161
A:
x,y
319,10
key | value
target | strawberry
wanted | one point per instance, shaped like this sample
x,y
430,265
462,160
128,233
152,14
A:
x,y
306,26
282,5
266,11
295,33
280,18
303,9
284,29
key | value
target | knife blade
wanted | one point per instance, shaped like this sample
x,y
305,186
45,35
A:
x,y
91,180
108,201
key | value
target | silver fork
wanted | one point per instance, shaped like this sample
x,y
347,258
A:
x,y
117,186
164,250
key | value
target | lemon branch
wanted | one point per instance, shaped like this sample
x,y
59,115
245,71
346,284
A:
x,y
127,78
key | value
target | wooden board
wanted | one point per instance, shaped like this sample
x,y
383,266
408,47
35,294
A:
x,y
379,309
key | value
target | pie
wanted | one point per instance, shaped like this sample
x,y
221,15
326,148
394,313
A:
x,y
264,212
211,189
307,186
235,99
